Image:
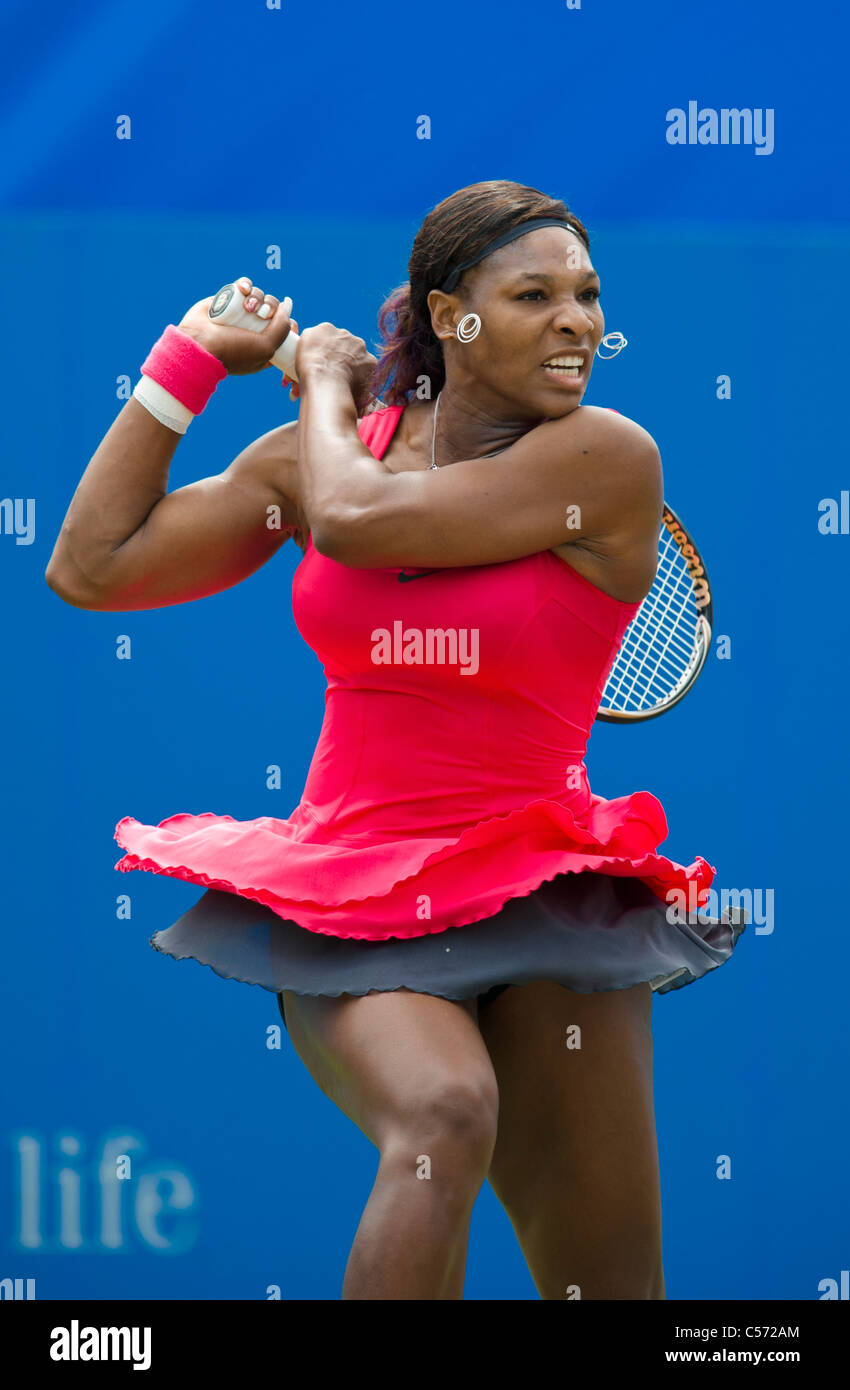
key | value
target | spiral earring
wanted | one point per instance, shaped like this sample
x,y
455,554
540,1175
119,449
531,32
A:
x,y
468,328
617,343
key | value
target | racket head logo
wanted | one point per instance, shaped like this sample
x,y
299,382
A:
x,y
702,593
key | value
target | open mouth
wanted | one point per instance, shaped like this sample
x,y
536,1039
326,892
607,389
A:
x,y
568,367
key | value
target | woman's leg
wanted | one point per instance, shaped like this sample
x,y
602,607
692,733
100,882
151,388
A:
x,y
412,1072
576,1162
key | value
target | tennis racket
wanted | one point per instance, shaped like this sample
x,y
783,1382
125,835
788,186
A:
x,y
666,643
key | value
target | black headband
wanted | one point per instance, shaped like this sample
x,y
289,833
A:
x,y
520,230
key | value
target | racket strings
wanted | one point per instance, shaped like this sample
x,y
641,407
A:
x,y
660,645
672,590
652,665
672,586
648,674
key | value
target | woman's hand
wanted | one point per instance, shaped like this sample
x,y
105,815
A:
x,y
327,348
239,350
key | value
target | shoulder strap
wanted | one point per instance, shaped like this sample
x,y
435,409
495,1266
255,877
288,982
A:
x,y
377,429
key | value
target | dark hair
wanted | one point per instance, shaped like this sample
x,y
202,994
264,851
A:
x,y
453,231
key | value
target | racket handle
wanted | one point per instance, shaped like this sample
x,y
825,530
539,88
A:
x,y
227,309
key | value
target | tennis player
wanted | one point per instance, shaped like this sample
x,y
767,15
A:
x,y
463,938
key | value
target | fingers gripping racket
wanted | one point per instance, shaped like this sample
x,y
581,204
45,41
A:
x,y
665,645
227,308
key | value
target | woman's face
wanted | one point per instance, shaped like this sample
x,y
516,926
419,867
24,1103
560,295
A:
x,y
538,299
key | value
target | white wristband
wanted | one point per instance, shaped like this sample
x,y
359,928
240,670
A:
x,y
161,404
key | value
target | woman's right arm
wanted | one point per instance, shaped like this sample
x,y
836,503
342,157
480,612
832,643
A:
x,y
127,543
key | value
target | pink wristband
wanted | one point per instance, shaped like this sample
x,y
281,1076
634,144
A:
x,y
184,368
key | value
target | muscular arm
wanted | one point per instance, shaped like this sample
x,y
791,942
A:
x,y
127,543
591,478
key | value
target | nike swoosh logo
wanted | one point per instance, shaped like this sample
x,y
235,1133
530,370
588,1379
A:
x,y
405,578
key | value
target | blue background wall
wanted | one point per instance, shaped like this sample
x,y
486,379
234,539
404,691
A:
x,y
253,126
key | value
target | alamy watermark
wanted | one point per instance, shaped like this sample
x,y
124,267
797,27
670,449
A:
x,y
727,125
84,1343
17,1287
756,904
430,646
834,518
15,522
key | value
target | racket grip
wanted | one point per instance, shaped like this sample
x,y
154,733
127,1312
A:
x,y
227,309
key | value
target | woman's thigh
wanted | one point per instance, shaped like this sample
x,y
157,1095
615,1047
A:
x,y
575,1163
395,1061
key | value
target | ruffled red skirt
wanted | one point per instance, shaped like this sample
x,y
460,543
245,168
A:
x,y
409,887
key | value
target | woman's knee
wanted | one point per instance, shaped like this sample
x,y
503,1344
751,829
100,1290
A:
x,y
448,1119
412,1076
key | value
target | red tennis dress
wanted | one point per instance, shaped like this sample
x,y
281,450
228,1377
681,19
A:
x,y
449,775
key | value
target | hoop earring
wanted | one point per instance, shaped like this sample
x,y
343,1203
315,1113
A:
x,y
617,343
468,328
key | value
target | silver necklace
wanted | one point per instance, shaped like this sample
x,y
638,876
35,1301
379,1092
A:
x,y
434,438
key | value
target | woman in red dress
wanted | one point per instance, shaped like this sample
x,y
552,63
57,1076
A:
x,y
463,938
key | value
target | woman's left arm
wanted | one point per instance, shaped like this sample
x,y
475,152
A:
x,y
590,476
336,470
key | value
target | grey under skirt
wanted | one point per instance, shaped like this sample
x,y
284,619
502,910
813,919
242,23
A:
x,y
586,931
